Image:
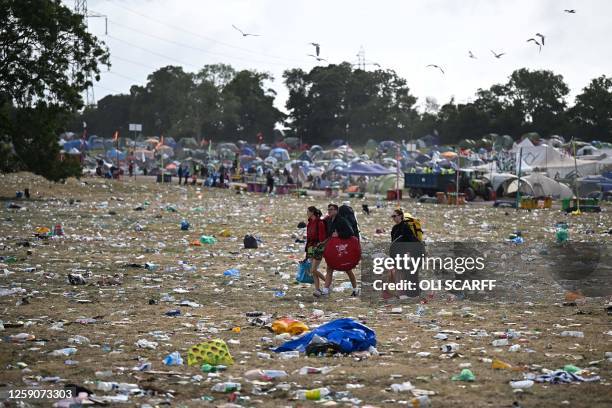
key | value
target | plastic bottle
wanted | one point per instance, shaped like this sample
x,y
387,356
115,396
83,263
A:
x,y
286,355
449,348
105,386
522,384
569,333
226,387
499,342
207,368
265,375
313,395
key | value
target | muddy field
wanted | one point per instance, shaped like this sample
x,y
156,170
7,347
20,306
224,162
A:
x,y
120,303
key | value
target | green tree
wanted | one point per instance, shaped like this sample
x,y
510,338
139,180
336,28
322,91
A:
x,y
338,102
248,107
592,113
47,58
540,97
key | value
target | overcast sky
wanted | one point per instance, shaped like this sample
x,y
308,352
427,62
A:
x,y
144,35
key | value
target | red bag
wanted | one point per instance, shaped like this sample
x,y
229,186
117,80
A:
x,y
342,254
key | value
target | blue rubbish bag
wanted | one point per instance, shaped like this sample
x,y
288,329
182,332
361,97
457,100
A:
x,y
233,273
303,274
347,334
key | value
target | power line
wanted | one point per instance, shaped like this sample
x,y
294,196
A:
x,y
151,51
123,76
115,56
202,36
195,48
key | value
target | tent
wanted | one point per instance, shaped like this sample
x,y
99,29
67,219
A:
x,y
247,151
538,185
114,154
188,142
337,143
380,185
555,163
167,150
279,154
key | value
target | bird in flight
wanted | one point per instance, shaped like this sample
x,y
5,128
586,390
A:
x,y
317,57
436,66
541,37
572,11
317,47
245,34
498,55
471,54
536,42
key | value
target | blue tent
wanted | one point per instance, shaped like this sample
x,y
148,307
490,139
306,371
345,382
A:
x,y
114,154
76,144
360,169
247,151
279,154
337,143
305,156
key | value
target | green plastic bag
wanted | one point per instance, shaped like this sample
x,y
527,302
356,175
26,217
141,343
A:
x,y
207,239
562,235
465,375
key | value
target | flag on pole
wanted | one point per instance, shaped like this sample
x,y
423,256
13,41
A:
x,y
116,136
160,143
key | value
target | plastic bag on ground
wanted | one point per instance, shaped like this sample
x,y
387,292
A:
x,y
287,325
346,333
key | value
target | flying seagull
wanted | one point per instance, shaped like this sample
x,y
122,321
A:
x,y
317,58
245,34
572,11
317,47
536,42
471,55
498,55
435,66
541,37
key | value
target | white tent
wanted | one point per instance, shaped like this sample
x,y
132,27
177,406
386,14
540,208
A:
x,y
553,162
538,185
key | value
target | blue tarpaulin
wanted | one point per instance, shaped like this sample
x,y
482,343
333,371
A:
x,y
347,334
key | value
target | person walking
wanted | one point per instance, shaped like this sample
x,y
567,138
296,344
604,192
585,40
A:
x,y
316,236
338,226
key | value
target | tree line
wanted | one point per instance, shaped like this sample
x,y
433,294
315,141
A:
x,y
339,102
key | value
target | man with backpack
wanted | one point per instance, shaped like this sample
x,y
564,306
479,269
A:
x,y
406,237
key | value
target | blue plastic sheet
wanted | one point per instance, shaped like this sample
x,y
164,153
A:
x,y
347,334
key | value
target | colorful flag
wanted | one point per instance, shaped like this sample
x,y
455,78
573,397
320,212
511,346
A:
x,y
116,136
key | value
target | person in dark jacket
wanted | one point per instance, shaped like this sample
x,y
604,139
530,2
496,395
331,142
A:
x,y
180,174
316,236
270,181
338,226
404,241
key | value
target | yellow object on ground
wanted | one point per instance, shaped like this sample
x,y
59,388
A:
x,y
213,352
287,325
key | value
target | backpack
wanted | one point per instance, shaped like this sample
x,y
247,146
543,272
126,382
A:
x,y
346,212
415,226
250,242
